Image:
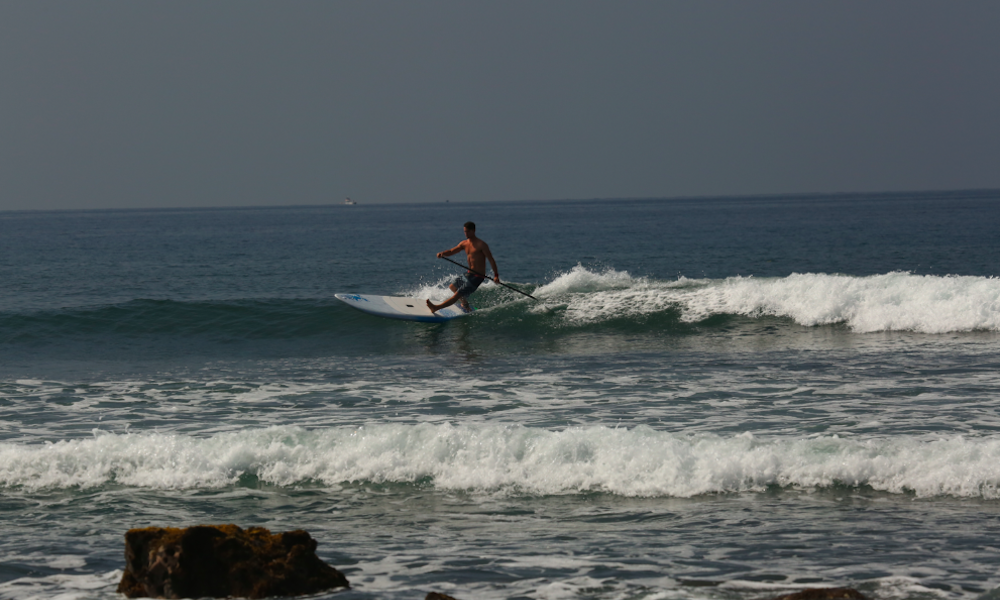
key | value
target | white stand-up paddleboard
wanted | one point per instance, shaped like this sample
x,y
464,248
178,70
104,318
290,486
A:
x,y
393,307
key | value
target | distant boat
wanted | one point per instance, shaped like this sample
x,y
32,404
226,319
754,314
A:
x,y
349,201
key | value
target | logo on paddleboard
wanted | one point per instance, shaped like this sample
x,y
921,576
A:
x,y
357,298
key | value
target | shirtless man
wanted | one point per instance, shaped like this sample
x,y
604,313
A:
x,y
477,252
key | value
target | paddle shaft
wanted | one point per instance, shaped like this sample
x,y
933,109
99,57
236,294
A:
x,y
483,275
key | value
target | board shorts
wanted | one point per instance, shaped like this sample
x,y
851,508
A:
x,y
467,283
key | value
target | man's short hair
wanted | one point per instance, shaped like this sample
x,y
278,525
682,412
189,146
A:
x,y
470,225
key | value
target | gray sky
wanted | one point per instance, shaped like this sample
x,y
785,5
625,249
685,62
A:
x,y
237,102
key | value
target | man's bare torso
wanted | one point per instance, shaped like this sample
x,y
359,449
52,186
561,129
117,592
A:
x,y
475,254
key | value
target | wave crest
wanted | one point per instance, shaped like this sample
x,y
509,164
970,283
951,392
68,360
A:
x,y
890,302
514,459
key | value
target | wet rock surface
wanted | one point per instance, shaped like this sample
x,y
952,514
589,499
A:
x,y
221,561
824,594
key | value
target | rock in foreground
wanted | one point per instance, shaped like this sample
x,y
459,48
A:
x,y
223,560
824,594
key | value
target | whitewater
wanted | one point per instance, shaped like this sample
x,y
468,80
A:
x,y
889,302
513,460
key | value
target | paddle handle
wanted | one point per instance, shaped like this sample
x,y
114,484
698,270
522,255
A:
x,y
483,275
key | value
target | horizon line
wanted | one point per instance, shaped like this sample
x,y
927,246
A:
x,y
759,196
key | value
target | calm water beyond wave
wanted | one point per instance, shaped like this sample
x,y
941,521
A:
x,y
712,399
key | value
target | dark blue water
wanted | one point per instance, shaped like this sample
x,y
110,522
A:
x,y
712,398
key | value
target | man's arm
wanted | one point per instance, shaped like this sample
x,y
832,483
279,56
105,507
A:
x,y
454,250
493,263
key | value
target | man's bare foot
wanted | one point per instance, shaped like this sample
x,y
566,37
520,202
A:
x,y
432,306
465,305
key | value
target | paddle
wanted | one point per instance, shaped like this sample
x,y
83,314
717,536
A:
x,y
484,277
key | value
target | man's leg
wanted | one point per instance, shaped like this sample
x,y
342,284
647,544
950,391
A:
x,y
455,297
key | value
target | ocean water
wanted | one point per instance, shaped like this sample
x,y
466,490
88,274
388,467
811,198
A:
x,y
722,398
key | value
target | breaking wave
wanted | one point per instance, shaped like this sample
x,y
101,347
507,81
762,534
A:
x,y
580,297
511,459
890,302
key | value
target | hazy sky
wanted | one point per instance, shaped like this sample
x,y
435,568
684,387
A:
x,y
238,102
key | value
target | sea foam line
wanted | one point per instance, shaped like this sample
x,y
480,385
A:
x,y
516,459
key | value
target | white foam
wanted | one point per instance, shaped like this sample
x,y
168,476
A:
x,y
514,459
62,562
61,587
890,302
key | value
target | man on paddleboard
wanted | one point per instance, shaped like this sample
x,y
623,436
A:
x,y
477,252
